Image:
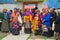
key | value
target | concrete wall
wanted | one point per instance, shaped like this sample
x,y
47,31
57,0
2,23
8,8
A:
x,y
18,5
40,5
11,6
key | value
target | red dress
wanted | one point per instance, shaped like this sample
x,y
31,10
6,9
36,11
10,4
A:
x,y
39,19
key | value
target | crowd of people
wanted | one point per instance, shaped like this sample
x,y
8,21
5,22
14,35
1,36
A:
x,y
34,21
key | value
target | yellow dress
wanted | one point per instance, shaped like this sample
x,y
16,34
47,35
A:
x,y
27,17
34,26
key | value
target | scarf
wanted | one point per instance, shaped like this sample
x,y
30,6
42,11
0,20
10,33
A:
x,y
27,13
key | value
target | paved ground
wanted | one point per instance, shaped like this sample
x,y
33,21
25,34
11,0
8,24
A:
x,y
2,35
22,36
40,37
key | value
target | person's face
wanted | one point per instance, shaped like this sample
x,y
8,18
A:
x,y
15,10
38,12
28,10
46,11
58,10
51,11
42,10
5,10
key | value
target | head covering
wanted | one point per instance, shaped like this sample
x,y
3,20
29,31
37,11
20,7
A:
x,y
15,11
10,10
44,7
15,8
4,9
37,10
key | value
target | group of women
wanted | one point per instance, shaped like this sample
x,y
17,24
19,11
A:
x,y
34,21
10,21
39,22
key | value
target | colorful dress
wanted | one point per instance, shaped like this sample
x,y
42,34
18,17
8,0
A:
x,y
46,24
15,17
27,22
5,22
15,24
37,24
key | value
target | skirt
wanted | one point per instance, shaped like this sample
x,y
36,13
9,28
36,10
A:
x,y
27,27
15,25
15,28
10,28
5,26
38,31
15,31
57,29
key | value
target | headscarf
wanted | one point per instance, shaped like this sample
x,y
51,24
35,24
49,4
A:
x,y
44,7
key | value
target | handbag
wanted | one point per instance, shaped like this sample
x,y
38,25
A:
x,y
53,26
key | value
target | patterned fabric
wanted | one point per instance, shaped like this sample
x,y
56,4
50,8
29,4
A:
x,y
27,24
44,28
5,26
15,25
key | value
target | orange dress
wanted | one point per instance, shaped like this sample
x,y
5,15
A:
x,y
34,24
15,17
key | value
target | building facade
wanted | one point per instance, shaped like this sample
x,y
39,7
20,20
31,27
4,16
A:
x,y
22,4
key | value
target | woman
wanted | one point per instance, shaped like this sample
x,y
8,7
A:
x,y
46,22
5,21
57,26
27,21
37,23
15,25
10,20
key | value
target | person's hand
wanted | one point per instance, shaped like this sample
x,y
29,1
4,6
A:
x,y
51,17
5,19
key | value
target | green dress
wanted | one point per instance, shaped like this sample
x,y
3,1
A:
x,y
5,24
